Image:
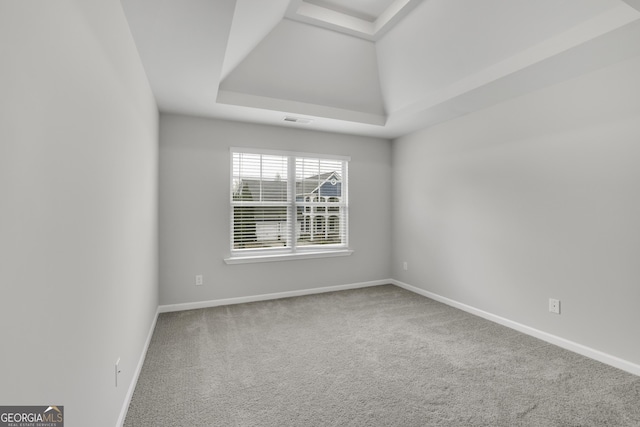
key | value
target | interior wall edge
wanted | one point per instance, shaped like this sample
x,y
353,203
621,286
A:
x,y
136,374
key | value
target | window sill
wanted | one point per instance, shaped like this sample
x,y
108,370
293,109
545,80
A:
x,y
286,257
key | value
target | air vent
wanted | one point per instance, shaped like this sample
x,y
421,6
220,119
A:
x,y
298,120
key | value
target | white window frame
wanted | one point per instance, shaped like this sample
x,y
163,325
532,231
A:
x,y
293,251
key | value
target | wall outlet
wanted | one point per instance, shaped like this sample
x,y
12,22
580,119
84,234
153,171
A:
x,y
117,370
405,265
554,305
199,280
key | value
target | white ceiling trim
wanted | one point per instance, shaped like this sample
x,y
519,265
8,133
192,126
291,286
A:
x,y
572,38
309,13
575,61
297,107
183,45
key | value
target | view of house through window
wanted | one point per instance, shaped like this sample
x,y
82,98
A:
x,y
288,201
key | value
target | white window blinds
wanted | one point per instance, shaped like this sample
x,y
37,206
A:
x,y
288,202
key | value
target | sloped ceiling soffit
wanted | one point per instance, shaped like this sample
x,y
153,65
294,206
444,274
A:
x,y
371,67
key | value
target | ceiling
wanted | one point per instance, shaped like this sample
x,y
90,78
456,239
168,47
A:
x,y
368,10
369,67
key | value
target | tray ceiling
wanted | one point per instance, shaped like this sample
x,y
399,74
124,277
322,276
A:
x,y
371,67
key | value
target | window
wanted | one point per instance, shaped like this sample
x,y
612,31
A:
x,y
287,204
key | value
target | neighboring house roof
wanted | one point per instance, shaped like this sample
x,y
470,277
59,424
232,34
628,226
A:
x,y
327,184
272,191
324,184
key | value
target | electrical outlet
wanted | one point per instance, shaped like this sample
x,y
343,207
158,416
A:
x,y
199,280
554,305
405,266
117,370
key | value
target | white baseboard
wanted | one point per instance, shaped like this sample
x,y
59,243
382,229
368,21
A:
x,y
264,297
227,301
583,350
552,339
136,374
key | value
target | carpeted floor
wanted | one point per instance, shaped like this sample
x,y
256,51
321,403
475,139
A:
x,y
379,356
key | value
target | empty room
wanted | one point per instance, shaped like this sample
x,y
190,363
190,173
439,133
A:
x,y
320,213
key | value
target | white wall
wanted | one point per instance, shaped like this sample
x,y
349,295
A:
x,y
78,216
195,219
533,198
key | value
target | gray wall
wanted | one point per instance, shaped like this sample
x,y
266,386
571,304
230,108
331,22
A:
x,y
78,215
533,198
195,218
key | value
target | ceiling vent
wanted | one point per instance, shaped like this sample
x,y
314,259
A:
x,y
298,120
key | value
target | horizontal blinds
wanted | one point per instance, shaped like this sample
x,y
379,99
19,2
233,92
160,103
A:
x,y
260,201
260,178
285,202
321,199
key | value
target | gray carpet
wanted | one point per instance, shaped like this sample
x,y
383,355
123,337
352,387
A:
x,y
379,356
